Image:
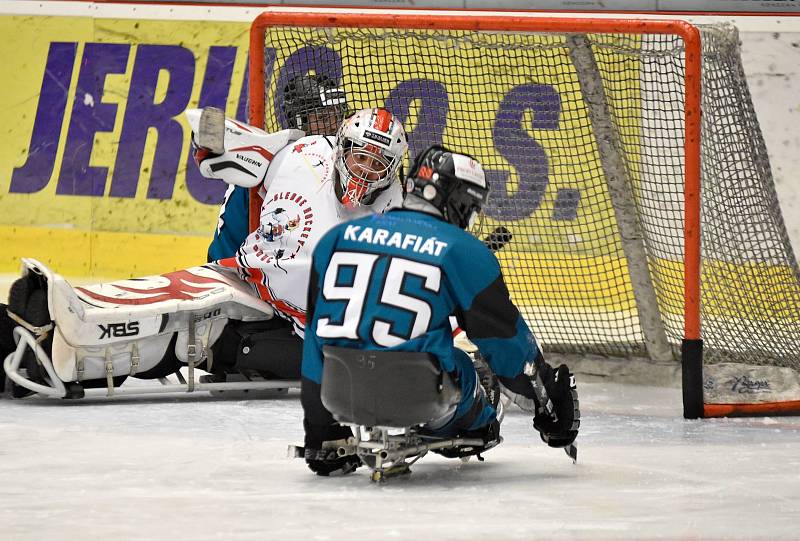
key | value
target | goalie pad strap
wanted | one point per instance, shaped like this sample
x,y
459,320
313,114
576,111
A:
x,y
40,332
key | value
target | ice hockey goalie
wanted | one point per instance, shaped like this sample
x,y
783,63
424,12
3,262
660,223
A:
x,y
241,316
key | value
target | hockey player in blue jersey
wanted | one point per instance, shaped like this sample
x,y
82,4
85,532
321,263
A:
x,y
312,103
392,281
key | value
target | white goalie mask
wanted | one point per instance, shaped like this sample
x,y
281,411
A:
x,y
370,149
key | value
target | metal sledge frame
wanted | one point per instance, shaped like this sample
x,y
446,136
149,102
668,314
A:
x,y
388,455
359,388
58,389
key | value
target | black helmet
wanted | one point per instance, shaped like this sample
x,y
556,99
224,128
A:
x,y
308,93
453,183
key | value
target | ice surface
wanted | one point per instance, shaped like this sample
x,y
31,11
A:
x,y
205,468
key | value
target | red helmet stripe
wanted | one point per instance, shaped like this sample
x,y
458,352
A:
x,y
383,119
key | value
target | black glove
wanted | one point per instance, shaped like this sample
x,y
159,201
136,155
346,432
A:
x,y
7,345
326,462
561,389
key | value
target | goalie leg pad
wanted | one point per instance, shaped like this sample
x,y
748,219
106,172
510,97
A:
x,y
98,335
169,363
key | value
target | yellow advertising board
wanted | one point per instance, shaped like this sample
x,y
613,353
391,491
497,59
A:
x,y
97,177
94,154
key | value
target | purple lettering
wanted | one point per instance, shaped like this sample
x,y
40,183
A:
x,y
142,112
90,116
35,173
432,112
244,95
214,93
522,151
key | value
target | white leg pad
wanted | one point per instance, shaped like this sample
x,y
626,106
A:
x,y
124,327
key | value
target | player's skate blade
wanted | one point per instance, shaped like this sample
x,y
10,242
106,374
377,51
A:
x,y
572,452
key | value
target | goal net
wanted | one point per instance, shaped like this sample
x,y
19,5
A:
x,y
641,228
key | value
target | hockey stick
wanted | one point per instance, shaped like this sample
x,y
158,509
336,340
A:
x,y
547,406
495,241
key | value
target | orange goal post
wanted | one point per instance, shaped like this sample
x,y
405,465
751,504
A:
x,y
625,158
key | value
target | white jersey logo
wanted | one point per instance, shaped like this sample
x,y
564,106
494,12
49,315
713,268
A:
x,y
299,207
286,220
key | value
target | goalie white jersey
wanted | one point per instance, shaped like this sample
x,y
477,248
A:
x,y
300,206
147,327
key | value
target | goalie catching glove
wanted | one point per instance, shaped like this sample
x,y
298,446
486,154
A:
x,y
231,151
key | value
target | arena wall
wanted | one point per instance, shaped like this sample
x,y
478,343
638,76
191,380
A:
x,y
96,177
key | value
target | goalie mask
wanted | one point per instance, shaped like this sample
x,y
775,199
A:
x,y
314,104
370,148
453,183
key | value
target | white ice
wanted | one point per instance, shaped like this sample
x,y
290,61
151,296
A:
x,y
205,468
198,467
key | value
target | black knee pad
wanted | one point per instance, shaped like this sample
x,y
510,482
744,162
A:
x,y
27,298
268,348
7,347
29,364
7,344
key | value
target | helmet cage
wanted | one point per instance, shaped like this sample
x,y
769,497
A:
x,y
368,157
364,169
461,208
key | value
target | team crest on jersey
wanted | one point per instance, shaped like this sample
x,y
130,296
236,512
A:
x,y
320,164
286,220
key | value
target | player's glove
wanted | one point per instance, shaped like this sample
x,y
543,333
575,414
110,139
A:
x,y
561,389
326,462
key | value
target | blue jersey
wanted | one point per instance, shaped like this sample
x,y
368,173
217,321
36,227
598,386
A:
x,y
232,226
392,281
